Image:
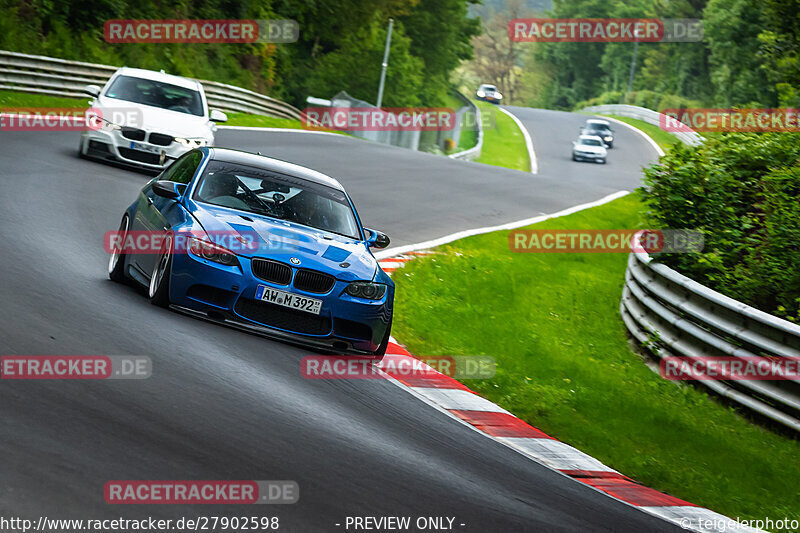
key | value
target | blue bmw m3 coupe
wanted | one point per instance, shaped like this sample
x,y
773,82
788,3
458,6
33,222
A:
x,y
259,244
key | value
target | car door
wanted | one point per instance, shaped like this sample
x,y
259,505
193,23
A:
x,y
155,213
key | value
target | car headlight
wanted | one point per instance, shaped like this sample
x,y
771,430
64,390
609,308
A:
x,y
366,289
192,143
212,252
481,94
607,138
101,123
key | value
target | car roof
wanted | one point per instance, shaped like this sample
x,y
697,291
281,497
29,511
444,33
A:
x,y
595,137
598,122
229,155
160,76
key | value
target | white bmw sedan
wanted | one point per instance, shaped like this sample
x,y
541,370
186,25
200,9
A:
x,y
148,118
589,148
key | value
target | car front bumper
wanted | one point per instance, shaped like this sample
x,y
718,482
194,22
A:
x,y
226,295
587,156
112,145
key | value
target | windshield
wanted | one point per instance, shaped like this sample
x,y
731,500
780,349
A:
x,y
590,142
278,196
156,94
598,127
489,88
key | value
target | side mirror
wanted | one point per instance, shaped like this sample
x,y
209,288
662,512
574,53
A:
x,y
92,90
166,189
376,239
218,116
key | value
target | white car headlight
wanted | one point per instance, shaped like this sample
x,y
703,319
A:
x,y
481,94
101,123
192,143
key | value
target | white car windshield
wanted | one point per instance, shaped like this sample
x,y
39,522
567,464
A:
x,y
156,94
280,196
490,88
590,142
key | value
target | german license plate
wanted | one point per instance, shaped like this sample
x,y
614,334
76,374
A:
x,y
145,148
287,299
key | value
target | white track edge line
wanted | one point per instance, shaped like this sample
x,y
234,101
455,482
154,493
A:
x,y
649,139
528,142
391,252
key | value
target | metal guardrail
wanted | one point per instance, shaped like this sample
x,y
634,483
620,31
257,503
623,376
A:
x,y
691,138
60,77
475,151
675,316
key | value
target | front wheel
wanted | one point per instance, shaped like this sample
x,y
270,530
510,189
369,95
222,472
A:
x,y
159,281
602,161
116,264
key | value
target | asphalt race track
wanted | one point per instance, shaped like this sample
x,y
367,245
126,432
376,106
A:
x,y
226,405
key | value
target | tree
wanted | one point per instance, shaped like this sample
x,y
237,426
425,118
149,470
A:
x,y
441,36
732,28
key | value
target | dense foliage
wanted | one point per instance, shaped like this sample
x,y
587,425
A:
x,y
340,47
749,55
741,190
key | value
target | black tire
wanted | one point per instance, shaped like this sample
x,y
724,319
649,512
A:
x,y
116,263
602,161
574,158
381,351
158,292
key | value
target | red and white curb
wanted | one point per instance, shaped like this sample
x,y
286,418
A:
x,y
458,401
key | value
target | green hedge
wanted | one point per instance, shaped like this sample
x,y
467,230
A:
x,y
742,190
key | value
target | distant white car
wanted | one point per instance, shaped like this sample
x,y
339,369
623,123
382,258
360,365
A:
x,y
166,117
589,148
489,93
600,128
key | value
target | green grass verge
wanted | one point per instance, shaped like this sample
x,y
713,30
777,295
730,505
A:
x,y
468,138
564,365
18,99
503,143
261,121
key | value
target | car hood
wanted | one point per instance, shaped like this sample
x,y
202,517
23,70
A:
x,y
282,241
590,149
154,119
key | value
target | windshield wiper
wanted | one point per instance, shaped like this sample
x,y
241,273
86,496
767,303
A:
x,y
264,205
